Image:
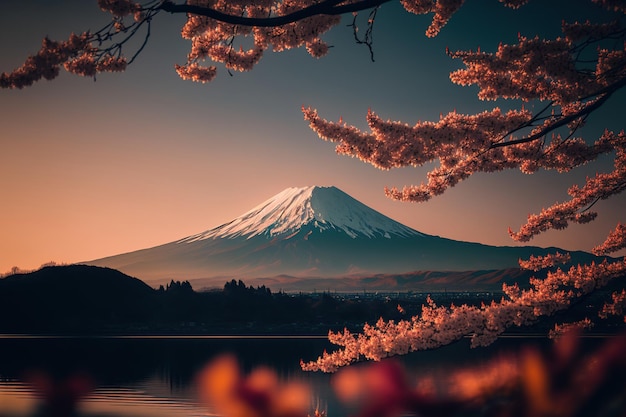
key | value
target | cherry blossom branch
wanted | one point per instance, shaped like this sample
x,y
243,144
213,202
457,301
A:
x,y
275,24
616,307
438,326
616,240
568,380
600,187
327,7
537,263
602,96
533,69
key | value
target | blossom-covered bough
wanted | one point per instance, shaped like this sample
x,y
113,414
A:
x,y
558,83
567,79
212,27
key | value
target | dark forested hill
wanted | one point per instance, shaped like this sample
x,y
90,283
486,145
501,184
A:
x,y
75,279
58,298
81,299
88,300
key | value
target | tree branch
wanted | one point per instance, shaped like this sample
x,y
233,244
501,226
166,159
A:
x,y
605,94
326,7
368,38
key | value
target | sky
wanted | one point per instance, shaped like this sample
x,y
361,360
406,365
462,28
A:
x,y
90,169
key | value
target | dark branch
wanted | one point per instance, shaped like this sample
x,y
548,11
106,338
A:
x,y
327,7
603,95
368,38
144,43
619,187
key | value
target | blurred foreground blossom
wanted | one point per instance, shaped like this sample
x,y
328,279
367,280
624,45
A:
x,y
383,389
565,382
259,394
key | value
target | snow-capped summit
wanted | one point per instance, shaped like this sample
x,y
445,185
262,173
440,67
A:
x,y
320,208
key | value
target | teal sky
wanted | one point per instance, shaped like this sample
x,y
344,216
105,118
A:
x,y
90,169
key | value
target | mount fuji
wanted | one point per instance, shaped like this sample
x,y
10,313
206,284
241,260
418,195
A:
x,y
307,232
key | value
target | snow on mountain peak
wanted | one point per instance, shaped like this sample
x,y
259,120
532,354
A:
x,y
324,208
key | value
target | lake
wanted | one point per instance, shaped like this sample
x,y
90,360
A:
x,y
154,376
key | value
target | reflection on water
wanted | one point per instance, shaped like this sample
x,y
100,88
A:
x,y
137,376
155,376
18,399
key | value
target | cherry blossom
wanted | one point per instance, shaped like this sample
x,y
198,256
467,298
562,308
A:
x,y
565,381
218,30
536,263
222,385
615,241
554,86
46,63
616,307
196,72
561,329
119,8
438,326
548,71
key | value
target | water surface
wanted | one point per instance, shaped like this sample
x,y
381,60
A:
x,y
155,376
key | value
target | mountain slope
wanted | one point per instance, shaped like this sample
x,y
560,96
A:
x,y
312,232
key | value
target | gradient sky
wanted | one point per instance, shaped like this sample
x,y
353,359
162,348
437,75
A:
x,y
91,169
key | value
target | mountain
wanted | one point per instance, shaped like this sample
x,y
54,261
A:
x,y
312,232
60,298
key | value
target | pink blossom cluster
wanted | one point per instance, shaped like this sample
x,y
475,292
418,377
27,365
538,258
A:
x,y
84,64
317,48
611,66
87,64
463,145
600,187
418,6
86,54
615,241
578,31
443,10
222,386
237,60
537,263
532,69
195,72
565,154
616,307
46,63
394,144
119,8
562,329
514,4
214,40
439,325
